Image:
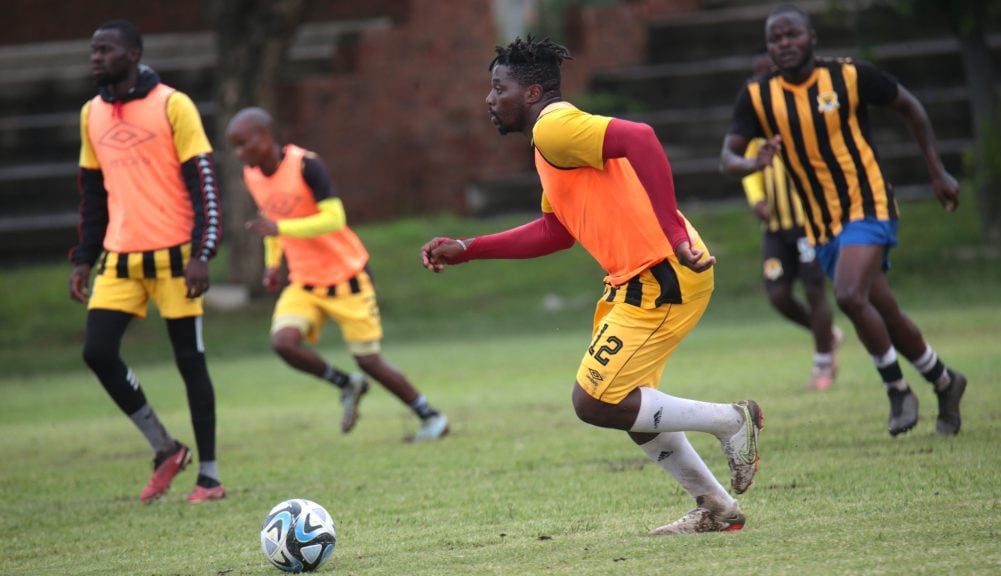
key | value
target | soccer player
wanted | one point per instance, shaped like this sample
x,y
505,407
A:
x,y
149,219
812,112
302,218
608,185
787,255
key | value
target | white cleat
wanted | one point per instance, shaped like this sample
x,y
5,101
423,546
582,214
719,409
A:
x,y
703,520
351,396
741,449
432,428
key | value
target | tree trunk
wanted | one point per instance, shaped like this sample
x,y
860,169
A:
x,y
252,40
982,82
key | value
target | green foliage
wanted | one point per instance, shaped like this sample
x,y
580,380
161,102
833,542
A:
x,y
547,295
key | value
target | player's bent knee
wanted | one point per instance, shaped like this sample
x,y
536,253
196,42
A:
x,y
98,354
285,344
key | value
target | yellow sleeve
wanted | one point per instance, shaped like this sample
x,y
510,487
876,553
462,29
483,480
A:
x,y
272,252
189,135
88,159
754,183
546,206
569,138
330,218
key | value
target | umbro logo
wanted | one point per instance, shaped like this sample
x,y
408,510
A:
x,y
123,136
595,375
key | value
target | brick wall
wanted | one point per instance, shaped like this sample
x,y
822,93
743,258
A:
x,y
404,127
401,120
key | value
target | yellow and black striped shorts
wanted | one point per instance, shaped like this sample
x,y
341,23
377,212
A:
x,y
127,281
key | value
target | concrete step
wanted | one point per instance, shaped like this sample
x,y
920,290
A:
x,y
739,29
918,65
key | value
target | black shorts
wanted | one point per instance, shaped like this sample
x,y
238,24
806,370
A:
x,y
787,255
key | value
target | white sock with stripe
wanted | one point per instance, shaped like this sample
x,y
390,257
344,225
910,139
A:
x,y
662,413
674,453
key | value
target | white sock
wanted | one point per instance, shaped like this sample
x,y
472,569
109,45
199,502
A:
x,y
210,469
674,453
662,413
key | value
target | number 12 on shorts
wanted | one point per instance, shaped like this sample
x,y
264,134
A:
x,y
611,346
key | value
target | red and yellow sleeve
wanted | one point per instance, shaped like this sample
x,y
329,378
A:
x,y
569,138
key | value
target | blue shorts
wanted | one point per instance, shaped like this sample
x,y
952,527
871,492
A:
x,y
866,232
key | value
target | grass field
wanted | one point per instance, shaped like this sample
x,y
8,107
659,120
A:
x,y
520,487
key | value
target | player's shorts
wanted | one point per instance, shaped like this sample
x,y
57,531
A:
x,y
630,345
787,255
352,305
866,232
126,282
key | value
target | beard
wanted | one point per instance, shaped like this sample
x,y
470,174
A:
x,y
110,78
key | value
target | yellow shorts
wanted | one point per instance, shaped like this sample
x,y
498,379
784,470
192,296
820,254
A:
x,y
353,306
127,281
630,345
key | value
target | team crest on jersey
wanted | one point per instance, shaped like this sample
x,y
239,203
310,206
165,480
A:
x,y
827,102
772,269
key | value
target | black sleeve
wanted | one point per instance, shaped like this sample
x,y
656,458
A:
x,y
316,177
203,189
875,86
93,217
745,120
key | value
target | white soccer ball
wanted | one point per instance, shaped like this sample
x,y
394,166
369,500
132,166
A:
x,y
298,535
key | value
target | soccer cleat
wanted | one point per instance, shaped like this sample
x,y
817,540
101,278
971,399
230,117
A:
x,y
432,428
903,410
165,467
949,421
821,378
351,396
741,449
202,494
703,520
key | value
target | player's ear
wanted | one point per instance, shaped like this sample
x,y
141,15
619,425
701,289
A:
x,y
533,94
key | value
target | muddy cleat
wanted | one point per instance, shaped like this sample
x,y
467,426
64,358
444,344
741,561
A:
x,y
949,421
432,428
821,378
703,520
351,396
202,494
741,449
903,410
166,466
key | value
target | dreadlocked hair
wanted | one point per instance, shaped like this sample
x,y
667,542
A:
x,y
532,61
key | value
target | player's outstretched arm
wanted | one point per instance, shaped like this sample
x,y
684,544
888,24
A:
x,y
539,237
943,184
732,161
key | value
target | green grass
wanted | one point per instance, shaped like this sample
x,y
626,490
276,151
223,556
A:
x,y
520,487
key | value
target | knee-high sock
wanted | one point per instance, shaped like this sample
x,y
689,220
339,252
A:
x,y
674,453
662,413
189,354
102,343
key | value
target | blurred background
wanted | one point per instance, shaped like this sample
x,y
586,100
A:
x,y
390,94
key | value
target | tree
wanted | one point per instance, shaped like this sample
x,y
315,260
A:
x,y
252,41
967,19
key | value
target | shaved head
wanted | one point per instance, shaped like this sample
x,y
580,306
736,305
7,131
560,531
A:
x,y
251,136
253,118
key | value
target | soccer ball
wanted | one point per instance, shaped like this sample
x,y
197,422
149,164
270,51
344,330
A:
x,y
298,535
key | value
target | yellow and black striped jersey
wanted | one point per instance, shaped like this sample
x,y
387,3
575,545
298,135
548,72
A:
x,y
827,144
771,184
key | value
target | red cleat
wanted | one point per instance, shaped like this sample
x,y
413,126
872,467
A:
x,y
202,494
165,467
